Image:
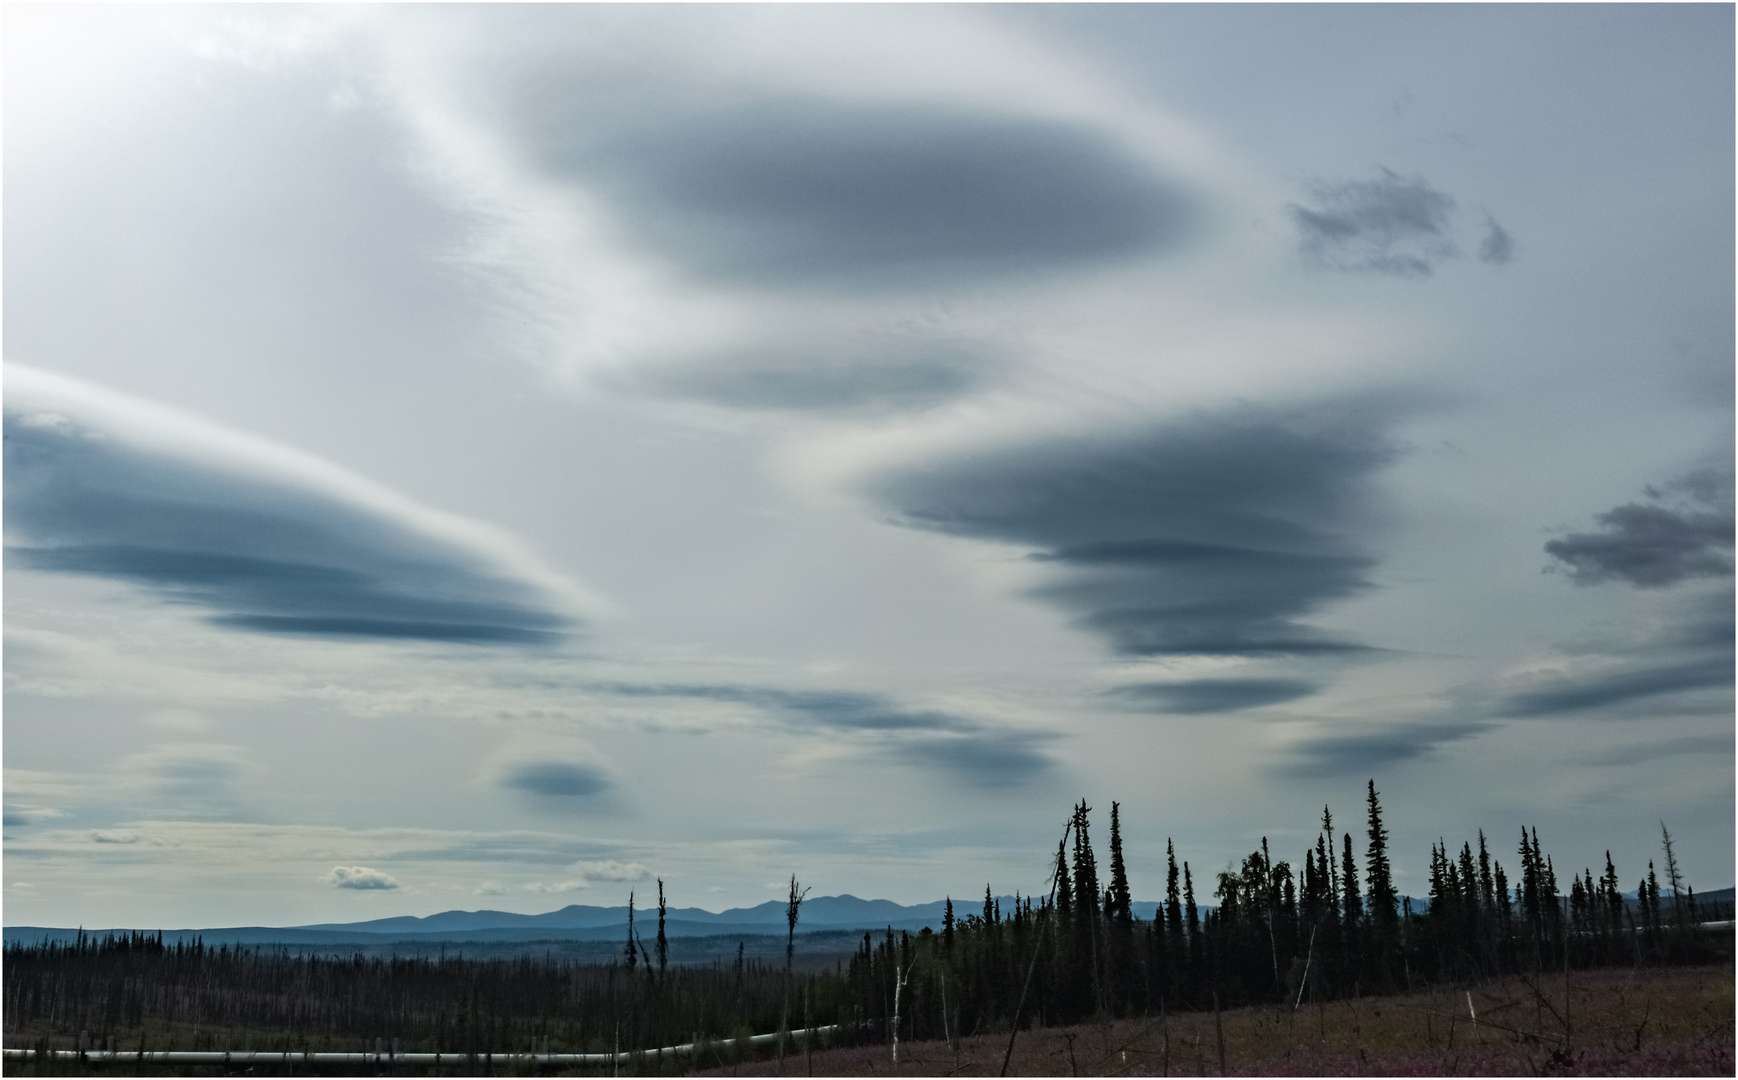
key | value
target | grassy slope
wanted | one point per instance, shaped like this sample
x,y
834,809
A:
x,y
1675,1021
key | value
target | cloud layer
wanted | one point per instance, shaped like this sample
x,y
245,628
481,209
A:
x,y
1203,696
811,194
870,374
1684,665
1210,535
981,753
102,485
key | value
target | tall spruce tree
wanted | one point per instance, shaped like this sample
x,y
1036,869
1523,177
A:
x,y
1379,875
1120,909
1086,895
632,951
1191,914
1173,905
1487,886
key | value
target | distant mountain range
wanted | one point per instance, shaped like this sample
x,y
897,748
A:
x,y
580,922
576,922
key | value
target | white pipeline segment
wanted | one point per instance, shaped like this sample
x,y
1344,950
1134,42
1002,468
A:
x,y
262,1057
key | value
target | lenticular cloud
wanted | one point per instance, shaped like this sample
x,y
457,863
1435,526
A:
x,y
255,536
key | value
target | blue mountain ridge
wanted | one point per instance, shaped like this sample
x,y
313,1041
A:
x,y
580,922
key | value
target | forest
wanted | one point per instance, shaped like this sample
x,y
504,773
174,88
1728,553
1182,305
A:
x,y
1331,927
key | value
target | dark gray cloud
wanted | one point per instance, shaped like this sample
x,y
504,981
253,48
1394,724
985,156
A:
x,y
1394,224
980,753
556,779
1213,535
1202,696
254,554
1683,531
842,710
873,375
1497,247
1354,752
982,759
810,194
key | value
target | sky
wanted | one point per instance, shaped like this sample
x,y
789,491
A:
x,y
496,456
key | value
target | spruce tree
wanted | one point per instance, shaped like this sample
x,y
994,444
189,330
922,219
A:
x,y
1328,831
1379,875
1487,887
633,952
1351,904
1613,897
1086,894
1119,911
1064,886
1173,905
1191,916
663,942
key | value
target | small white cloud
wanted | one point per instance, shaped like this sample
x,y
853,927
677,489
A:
x,y
572,885
51,421
491,888
358,877
114,836
610,870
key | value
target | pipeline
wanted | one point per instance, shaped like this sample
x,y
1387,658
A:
x,y
387,1058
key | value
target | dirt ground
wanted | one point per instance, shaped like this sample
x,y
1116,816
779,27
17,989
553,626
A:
x,y
1676,1022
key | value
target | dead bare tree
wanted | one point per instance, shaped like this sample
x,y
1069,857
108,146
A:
x,y
792,907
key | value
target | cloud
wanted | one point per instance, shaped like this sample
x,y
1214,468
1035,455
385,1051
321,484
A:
x,y
1209,535
557,779
1497,247
550,769
1365,749
981,758
193,774
257,537
550,887
1657,543
609,870
877,374
1393,225
1685,664
981,753
114,836
808,194
358,877
1682,746
1202,696
20,814
1624,685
